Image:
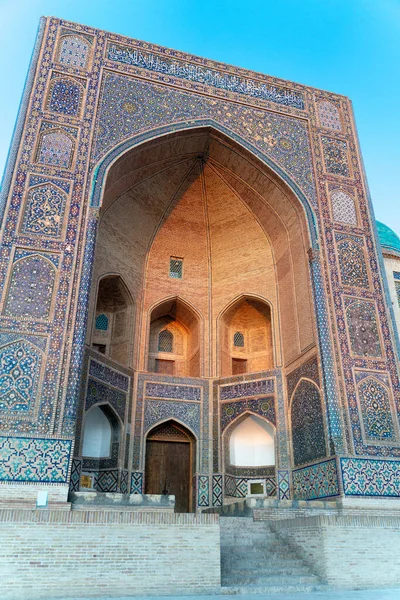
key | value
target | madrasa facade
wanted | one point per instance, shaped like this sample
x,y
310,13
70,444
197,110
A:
x,y
195,301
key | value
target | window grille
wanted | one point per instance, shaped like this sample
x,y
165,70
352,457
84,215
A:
x,y
238,339
165,341
102,322
175,267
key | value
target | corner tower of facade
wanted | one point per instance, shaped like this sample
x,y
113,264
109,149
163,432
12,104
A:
x,y
192,298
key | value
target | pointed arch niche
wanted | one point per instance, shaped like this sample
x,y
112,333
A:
x,y
112,332
174,340
246,338
238,231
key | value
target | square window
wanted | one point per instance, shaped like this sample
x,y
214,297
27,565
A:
x,y
175,267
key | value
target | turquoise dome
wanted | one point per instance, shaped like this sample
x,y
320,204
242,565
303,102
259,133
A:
x,y
387,237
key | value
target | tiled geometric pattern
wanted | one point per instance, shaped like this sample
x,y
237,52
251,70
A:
x,y
20,364
397,286
375,410
396,275
127,108
308,369
111,376
370,477
363,327
203,490
217,490
99,393
329,115
250,388
175,392
353,270
123,483
55,149
316,481
106,481
74,51
264,407
283,484
31,287
34,460
186,412
75,475
136,483
308,437
44,211
238,486
65,97
343,208
335,155
210,77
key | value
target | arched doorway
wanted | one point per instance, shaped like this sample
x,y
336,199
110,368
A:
x,y
169,463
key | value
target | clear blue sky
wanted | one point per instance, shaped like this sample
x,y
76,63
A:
x,y
350,47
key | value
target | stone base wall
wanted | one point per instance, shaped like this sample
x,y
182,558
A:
x,y
347,552
80,554
12,492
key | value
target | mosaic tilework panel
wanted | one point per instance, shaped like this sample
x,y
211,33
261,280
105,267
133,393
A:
x,y
257,472
186,413
397,287
353,270
308,436
329,115
76,469
363,327
396,275
265,407
308,370
20,364
238,486
106,481
335,155
123,483
176,392
203,490
343,207
97,393
74,51
375,410
283,484
65,97
34,460
316,481
217,490
209,77
370,477
130,107
44,211
31,286
250,388
55,149
111,376
136,482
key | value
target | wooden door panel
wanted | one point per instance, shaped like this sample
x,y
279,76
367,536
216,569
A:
x,y
168,468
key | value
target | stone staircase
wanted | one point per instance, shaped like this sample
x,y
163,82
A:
x,y
255,561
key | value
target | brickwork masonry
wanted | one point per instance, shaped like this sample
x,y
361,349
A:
x,y
76,554
347,552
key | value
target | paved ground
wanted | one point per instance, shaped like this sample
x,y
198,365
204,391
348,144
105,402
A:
x,y
342,595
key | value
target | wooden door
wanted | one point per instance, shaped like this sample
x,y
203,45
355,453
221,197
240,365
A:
x,y
168,465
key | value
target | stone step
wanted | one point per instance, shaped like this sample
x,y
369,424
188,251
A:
x,y
278,566
257,578
272,589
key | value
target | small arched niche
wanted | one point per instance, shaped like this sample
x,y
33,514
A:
x,y
246,338
252,443
97,434
174,344
113,328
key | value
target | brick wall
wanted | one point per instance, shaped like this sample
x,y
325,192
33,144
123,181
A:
x,y
347,551
48,554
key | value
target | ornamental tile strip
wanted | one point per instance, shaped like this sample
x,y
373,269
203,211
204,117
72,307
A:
x,y
250,388
206,76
